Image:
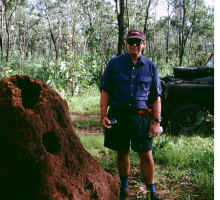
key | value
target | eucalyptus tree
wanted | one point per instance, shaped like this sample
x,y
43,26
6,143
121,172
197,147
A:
x,y
22,26
201,39
147,16
1,31
37,41
142,16
187,15
52,15
84,34
168,30
8,13
100,34
120,8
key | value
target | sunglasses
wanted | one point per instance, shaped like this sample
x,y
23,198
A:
x,y
134,41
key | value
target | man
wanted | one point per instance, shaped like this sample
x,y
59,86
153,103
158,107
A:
x,y
128,83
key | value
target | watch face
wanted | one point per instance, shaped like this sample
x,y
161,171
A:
x,y
157,120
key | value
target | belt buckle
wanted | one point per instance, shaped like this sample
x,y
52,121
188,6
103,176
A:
x,y
140,112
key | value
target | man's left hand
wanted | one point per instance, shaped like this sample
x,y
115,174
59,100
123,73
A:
x,y
155,129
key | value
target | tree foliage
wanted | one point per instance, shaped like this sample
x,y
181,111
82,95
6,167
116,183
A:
x,y
68,43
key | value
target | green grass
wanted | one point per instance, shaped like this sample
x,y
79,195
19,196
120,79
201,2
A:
x,y
88,103
87,123
94,145
188,162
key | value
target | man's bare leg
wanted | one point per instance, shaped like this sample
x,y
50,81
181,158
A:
x,y
123,161
147,167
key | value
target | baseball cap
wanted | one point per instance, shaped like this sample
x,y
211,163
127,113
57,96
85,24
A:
x,y
136,34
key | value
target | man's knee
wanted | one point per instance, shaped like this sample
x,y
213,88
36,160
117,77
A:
x,y
146,156
123,154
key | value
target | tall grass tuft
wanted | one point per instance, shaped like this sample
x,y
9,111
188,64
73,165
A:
x,y
188,158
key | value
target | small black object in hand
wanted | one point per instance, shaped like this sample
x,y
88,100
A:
x,y
113,122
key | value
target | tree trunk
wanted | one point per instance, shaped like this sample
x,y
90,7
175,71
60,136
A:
x,y
180,32
184,30
7,24
127,15
146,17
1,34
102,56
168,33
190,48
120,17
54,39
8,42
23,42
6,29
1,44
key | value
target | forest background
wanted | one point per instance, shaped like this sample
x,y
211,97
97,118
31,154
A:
x,y
67,43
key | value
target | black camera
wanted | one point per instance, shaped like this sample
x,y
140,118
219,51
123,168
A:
x,y
113,122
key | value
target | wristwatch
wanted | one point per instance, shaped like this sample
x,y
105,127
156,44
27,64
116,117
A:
x,y
157,120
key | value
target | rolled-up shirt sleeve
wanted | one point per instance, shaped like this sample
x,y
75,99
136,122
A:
x,y
156,89
106,80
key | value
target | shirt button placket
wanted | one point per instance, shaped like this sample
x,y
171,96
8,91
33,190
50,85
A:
x,y
132,81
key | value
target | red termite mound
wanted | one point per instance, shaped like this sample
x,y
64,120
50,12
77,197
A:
x,y
41,158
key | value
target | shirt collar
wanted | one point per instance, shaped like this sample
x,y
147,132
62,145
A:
x,y
141,60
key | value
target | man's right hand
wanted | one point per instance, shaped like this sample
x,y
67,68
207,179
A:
x,y
105,122
103,107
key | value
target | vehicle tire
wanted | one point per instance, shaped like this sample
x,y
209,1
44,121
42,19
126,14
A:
x,y
186,118
192,72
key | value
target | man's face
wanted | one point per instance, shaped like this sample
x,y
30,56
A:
x,y
135,46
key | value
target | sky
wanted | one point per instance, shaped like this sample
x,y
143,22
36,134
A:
x,y
209,2
161,9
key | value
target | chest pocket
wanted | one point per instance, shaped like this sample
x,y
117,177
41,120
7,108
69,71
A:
x,y
143,87
121,85
121,79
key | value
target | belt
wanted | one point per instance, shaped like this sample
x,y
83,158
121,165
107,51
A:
x,y
148,112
